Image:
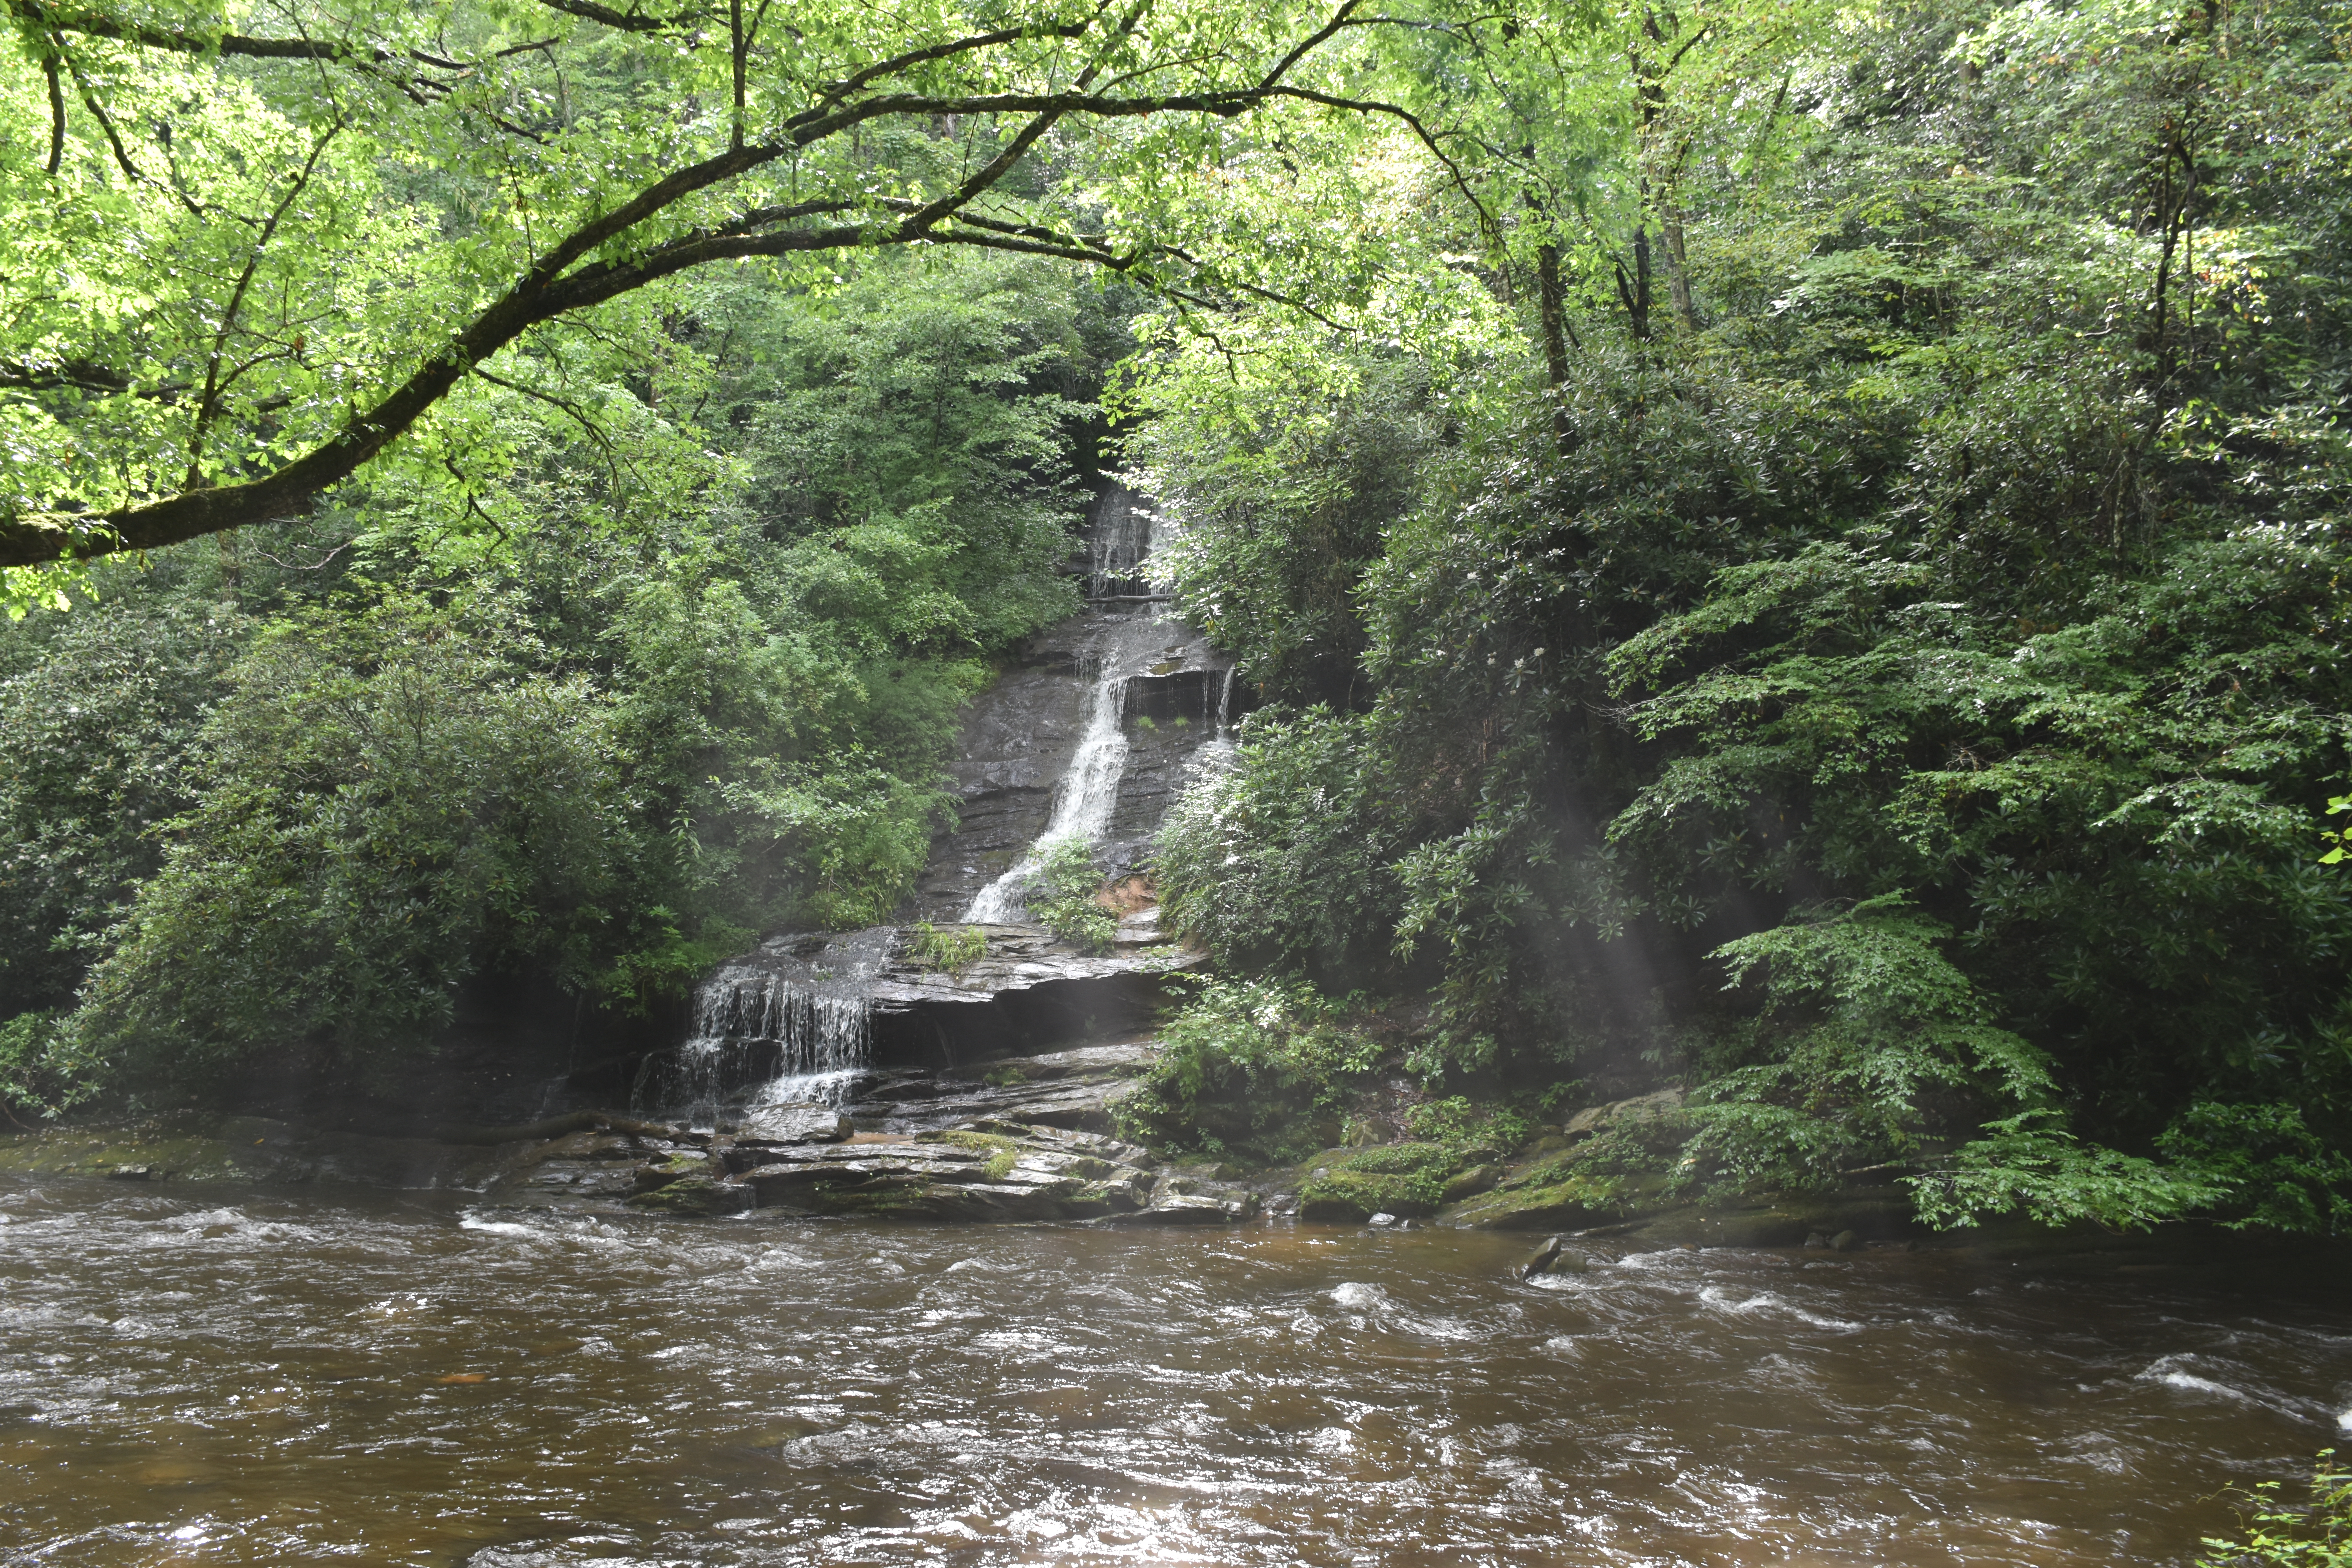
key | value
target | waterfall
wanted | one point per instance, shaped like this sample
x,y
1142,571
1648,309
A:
x,y
1121,539
1088,791
780,1027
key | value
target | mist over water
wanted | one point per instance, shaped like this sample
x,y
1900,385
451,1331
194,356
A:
x,y
234,1376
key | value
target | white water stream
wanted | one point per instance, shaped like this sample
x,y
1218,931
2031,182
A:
x,y
796,1029
1088,791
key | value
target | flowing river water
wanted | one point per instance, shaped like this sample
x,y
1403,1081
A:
x,y
234,1374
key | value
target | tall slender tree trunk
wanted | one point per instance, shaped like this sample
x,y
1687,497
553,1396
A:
x,y
1552,312
1633,288
1670,228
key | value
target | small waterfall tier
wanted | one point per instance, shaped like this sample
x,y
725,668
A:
x,y
1086,795
790,1022
1118,541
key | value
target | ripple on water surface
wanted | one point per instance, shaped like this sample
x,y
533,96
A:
x,y
241,1377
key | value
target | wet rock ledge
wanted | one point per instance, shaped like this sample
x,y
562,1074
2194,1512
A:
x,y
1018,1138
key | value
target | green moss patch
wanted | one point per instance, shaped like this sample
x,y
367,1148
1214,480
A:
x,y
990,1144
1560,1206
1344,1195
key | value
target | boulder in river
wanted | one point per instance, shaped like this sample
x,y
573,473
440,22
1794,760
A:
x,y
696,1194
1573,1204
1189,1208
1469,1184
961,1173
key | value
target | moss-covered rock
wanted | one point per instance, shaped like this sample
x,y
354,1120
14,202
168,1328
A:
x,y
1405,1159
1470,1183
1570,1204
695,1194
1353,1195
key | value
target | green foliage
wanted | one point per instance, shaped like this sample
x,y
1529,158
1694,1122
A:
x,y
1931,613
1065,895
388,805
252,255
2278,1536
96,716
2274,1172
1409,1193
1475,1130
668,964
1403,1160
1261,1068
1866,1027
1283,859
2338,840
2055,1180
1281,517
950,952
687,694
42,1070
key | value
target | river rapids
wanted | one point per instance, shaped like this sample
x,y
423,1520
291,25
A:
x,y
238,1375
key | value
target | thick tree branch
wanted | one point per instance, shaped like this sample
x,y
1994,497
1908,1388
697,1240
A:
x,y
897,64
570,276
92,24
56,108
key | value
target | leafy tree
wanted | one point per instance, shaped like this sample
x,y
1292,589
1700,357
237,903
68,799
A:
x,y
267,259
1955,571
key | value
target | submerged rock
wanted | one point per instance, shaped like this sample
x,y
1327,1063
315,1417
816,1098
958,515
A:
x,y
1191,1209
698,1194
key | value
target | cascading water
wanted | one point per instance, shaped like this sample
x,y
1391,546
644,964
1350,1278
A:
x,y
790,1024
1087,791
1120,539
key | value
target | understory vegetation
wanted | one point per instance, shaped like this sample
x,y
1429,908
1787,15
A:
x,y
1794,553
1891,681
2277,1534
301,790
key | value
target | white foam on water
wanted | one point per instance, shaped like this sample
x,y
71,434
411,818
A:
x,y
2171,1372
472,1221
1360,1298
1722,1300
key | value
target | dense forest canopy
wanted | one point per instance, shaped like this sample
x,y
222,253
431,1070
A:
x,y
1794,550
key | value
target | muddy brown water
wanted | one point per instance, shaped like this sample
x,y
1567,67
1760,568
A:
x,y
236,1375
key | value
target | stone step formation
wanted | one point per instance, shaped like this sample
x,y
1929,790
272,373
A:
x,y
851,1072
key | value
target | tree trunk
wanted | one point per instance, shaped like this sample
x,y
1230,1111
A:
x,y
1670,225
1634,291
1551,311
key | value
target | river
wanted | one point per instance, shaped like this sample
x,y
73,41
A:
x,y
234,1374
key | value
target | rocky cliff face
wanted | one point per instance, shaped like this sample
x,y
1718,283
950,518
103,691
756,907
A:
x,y
1090,733
1038,735
1021,736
